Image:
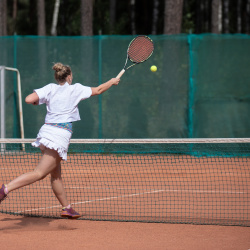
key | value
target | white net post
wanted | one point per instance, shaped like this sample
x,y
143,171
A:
x,y
19,99
2,93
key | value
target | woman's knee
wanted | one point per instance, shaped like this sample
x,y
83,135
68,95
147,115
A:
x,y
56,173
39,174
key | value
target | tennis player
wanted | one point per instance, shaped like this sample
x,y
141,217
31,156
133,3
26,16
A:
x,y
54,136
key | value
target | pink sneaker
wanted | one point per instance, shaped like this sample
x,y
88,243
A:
x,y
2,194
70,213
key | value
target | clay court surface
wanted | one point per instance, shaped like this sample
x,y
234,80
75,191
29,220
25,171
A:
x,y
145,188
170,189
24,233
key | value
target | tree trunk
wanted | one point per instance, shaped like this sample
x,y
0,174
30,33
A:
x,y
198,19
3,18
202,6
206,15
226,16
55,18
41,18
248,17
173,16
112,11
87,17
216,8
133,27
155,17
14,15
14,9
220,17
239,16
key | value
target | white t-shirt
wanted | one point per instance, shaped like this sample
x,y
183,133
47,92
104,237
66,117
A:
x,y
62,100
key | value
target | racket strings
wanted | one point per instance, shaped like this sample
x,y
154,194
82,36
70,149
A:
x,y
140,49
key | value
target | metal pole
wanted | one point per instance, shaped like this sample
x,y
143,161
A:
x,y
19,99
2,108
2,91
100,82
191,90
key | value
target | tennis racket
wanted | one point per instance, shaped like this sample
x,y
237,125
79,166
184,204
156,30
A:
x,y
139,50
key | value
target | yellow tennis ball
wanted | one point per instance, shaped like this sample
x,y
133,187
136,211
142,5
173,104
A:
x,y
153,68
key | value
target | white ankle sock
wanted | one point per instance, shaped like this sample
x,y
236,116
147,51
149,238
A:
x,y
6,190
68,207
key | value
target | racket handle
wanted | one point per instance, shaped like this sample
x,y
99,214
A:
x,y
120,74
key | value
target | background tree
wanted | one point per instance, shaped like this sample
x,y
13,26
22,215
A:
x,y
216,16
14,14
41,28
239,2
133,16
247,19
226,16
112,11
87,17
55,18
173,16
155,17
207,14
3,18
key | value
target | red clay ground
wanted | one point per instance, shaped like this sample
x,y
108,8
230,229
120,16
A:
x,y
197,188
24,233
153,187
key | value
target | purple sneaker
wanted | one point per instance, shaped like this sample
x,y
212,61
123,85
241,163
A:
x,y
70,213
2,194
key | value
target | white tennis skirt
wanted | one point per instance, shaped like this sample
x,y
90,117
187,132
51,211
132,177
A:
x,y
53,138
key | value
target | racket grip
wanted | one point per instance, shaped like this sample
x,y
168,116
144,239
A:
x,y
120,74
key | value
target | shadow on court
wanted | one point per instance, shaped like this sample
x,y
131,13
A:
x,y
33,224
26,233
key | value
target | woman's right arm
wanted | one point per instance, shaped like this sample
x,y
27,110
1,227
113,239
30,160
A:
x,y
105,86
32,99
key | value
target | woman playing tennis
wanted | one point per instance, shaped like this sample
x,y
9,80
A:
x,y
61,100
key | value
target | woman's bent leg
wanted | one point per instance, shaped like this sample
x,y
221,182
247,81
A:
x,y
58,189
57,186
47,164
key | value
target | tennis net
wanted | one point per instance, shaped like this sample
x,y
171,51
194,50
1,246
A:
x,y
197,181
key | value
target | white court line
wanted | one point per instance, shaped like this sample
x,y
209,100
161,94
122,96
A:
x,y
162,190
137,194
36,209
102,199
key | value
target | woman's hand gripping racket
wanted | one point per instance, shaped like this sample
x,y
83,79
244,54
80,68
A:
x,y
139,50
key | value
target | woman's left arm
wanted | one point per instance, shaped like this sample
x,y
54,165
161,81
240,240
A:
x,y
32,99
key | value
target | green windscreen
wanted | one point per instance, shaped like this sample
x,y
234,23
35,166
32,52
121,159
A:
x,y
201,88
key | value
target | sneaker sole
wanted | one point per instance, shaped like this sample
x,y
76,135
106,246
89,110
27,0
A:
x,y
4,196
70,216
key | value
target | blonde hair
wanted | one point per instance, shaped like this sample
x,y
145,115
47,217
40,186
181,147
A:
x,y
61,72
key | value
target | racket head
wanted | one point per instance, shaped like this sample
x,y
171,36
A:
x,y
140,49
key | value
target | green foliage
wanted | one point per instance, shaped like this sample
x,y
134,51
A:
x,y
196,17
188,17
